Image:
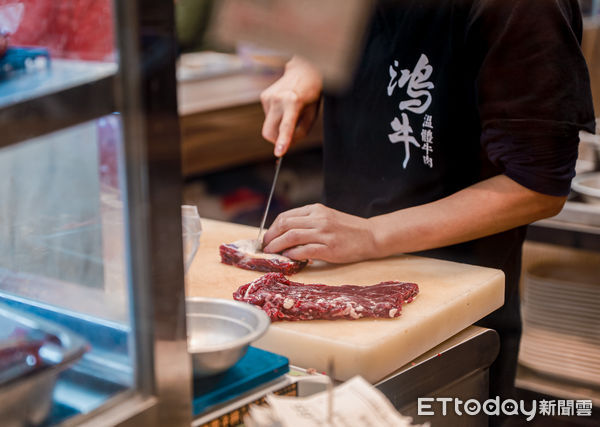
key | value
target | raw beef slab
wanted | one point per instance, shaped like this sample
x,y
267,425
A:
x,y
283,299
243,255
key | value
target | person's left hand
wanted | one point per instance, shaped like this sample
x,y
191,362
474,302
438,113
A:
x,y
319,232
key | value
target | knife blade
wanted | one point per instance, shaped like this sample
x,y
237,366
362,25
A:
x,y
264,218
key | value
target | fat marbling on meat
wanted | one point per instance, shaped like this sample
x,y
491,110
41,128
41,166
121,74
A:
x,y
244,254
283,299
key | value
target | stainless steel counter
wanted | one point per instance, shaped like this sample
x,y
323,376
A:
x,y
457,368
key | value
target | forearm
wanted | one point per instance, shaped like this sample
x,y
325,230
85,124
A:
x,y
488,207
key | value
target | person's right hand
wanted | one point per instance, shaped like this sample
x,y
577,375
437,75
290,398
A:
x,y
291,104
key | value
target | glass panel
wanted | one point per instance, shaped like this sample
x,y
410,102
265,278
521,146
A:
x,y
65,293
62,251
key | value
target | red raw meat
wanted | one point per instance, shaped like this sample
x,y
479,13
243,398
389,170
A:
x,y
3,44
20,354
283,299
242,255
75,29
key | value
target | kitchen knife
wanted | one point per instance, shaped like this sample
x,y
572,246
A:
x,y
264,218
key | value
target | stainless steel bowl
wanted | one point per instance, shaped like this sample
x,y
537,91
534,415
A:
x,y
220,331
588,186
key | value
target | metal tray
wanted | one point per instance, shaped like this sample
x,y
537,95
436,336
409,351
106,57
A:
x,y
26,389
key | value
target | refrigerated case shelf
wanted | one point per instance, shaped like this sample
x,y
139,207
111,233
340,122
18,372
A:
x,y
68,92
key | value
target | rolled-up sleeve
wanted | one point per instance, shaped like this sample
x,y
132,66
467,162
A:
x,y
533,89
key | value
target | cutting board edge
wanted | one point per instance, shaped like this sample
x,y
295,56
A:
x,y
450,331
359,357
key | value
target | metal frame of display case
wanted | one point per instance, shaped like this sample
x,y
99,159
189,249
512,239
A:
x,y
143,89
149,106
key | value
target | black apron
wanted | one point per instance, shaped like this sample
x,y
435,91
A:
x,y
412,129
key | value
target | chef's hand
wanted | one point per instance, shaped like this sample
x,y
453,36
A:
x,y
318,232
291,104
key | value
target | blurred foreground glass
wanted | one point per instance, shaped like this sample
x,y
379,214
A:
x,y
75,235
62,254
324,32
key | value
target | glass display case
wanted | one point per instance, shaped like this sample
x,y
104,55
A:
x,y
90,219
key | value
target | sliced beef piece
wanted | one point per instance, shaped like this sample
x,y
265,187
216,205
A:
x,y
283,299
243,254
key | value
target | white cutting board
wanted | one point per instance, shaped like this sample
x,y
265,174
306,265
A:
x,y
452,296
